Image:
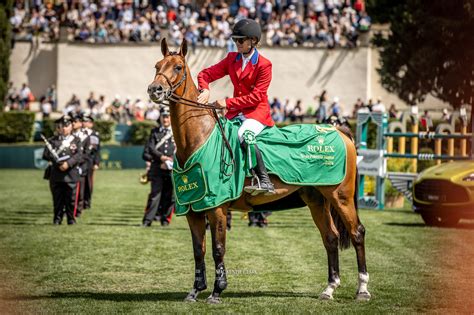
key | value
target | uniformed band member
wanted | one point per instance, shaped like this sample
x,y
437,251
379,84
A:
x,y
94,150
64,153
258,219
159,151
86,158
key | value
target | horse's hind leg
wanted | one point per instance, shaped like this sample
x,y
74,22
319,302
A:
x,y
320,211
218,222
342,199
197,225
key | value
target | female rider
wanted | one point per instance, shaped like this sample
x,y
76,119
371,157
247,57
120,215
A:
x,y
250,74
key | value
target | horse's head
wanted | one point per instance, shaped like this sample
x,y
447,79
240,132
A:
x,y
170,73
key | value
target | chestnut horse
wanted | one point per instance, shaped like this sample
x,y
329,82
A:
x,y
333,208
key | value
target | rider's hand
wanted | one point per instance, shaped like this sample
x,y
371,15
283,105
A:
x,y
204,96
221,103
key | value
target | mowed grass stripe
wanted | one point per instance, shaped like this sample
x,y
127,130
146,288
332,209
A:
x,y
108,264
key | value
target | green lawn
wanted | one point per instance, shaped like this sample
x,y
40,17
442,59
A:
x,y
108,264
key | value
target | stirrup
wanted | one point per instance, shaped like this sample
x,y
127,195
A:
x,y
255,190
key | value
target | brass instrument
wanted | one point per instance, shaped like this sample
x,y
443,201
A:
x,y
54,153
144,176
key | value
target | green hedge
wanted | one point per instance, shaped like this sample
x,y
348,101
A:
x,y
106,130
48,128
16,126
140,132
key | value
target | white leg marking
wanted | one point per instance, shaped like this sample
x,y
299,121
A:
x,y
327,293
362,292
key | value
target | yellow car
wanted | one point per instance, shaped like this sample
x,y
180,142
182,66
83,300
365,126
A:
x,y
443,194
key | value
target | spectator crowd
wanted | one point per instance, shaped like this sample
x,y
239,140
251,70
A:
x,y
125,110
121,110
320,23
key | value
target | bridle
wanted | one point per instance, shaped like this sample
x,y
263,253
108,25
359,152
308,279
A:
x,y
171,96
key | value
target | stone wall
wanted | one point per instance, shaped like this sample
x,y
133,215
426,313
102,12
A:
x,y
126,70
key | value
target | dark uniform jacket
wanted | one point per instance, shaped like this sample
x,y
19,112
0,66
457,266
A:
x,y
94,146
69,150
86,162
153,154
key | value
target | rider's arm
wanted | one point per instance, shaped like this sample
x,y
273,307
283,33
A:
x,y
259,92
213,73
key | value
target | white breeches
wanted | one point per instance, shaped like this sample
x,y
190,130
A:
x,y
249,124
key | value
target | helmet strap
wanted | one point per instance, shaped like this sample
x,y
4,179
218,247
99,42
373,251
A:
x,y
248,52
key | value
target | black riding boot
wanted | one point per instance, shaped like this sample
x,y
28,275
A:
x,y
263,185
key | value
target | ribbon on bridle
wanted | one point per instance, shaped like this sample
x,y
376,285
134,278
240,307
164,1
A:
x,y
178,99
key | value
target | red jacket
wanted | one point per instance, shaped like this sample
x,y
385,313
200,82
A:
x,y
250,86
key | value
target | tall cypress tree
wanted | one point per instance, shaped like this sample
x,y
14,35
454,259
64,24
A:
x,y
5,47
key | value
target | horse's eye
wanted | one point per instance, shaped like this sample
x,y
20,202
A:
x,y
178,68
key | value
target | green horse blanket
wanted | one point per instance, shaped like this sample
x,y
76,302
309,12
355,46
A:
x,y
306,155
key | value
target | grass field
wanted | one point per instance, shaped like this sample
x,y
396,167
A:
x,y
108,264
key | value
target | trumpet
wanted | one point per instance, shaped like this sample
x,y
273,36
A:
x,y
144,176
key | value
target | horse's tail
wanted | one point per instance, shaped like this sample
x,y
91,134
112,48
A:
x,y
344,237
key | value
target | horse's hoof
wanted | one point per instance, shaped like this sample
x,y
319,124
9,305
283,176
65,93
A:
x,y
363,296
214,300
192,296
325,296
190,299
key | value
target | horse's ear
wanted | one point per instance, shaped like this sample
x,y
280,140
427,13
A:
x,y
183,50
164,47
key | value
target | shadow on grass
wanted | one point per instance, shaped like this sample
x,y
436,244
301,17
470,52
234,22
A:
x,y
405,224
390,210
465,225
461,225
23,223
137,225
159,296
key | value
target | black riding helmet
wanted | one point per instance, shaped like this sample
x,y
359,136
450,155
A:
x,y
247,28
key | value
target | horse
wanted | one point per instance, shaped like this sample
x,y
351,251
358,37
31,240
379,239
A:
x,y
333,208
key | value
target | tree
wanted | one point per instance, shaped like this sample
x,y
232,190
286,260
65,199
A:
x,y
5,47
429,50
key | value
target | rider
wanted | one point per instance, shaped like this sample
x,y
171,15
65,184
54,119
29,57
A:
x,y
250,74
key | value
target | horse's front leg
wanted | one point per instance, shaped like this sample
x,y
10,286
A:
x,y
197,225
218,221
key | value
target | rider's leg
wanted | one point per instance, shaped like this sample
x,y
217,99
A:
x,y
264,184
